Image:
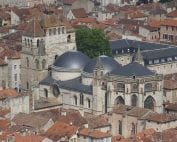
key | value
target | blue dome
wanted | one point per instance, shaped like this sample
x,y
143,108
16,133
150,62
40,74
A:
x,y
71,60
108,63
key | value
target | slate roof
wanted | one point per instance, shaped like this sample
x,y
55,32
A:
x,y
75,85
133,69
162,53
47,81
126,43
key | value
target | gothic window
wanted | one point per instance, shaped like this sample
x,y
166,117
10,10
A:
x,y
3,84
54,31
134,100
63,30
43,63
88,103
119,100
37,64
58,30
56,91
149,103
148,87
27,62
46,93
38,42
81,99
69,38
75,100
120,127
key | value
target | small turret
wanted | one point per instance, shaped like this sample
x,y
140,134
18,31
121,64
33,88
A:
x,y
138,57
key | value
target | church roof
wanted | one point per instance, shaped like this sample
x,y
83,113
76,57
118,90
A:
x,y
71,60
108,64
133,69
75,85
34,29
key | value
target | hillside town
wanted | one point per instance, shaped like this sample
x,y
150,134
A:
x,y
55,89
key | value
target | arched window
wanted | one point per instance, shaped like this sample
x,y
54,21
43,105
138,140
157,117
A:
x,y
119,100
25,41
63,30
31,42
58,30
56,57
27,85
43,63
46,93
81,99
75,100
54,31
120,127
38,43
134,100
149,103
27,62
69,38
88,103
28,42
37,63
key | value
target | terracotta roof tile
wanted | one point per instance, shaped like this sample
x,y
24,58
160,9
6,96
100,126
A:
x,y
60,129
28,138
93,133
172,14
169,22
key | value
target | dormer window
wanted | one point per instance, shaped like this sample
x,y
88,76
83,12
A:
x,y
156,61
150,62
169,59
162,60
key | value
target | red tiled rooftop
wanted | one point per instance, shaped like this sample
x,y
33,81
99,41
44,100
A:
x,y
93,133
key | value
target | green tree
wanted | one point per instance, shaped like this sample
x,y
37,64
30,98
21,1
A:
x,y
164,1
92,42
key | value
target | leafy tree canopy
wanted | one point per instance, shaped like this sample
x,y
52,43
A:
x,y
164,1
92,42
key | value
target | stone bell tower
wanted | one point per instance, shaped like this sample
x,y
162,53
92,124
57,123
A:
x,y
33,56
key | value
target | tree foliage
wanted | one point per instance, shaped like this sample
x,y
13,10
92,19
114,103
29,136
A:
x,y
164,1
92,42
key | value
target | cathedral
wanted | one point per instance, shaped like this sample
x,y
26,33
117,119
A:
x,y
59,76
96,85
